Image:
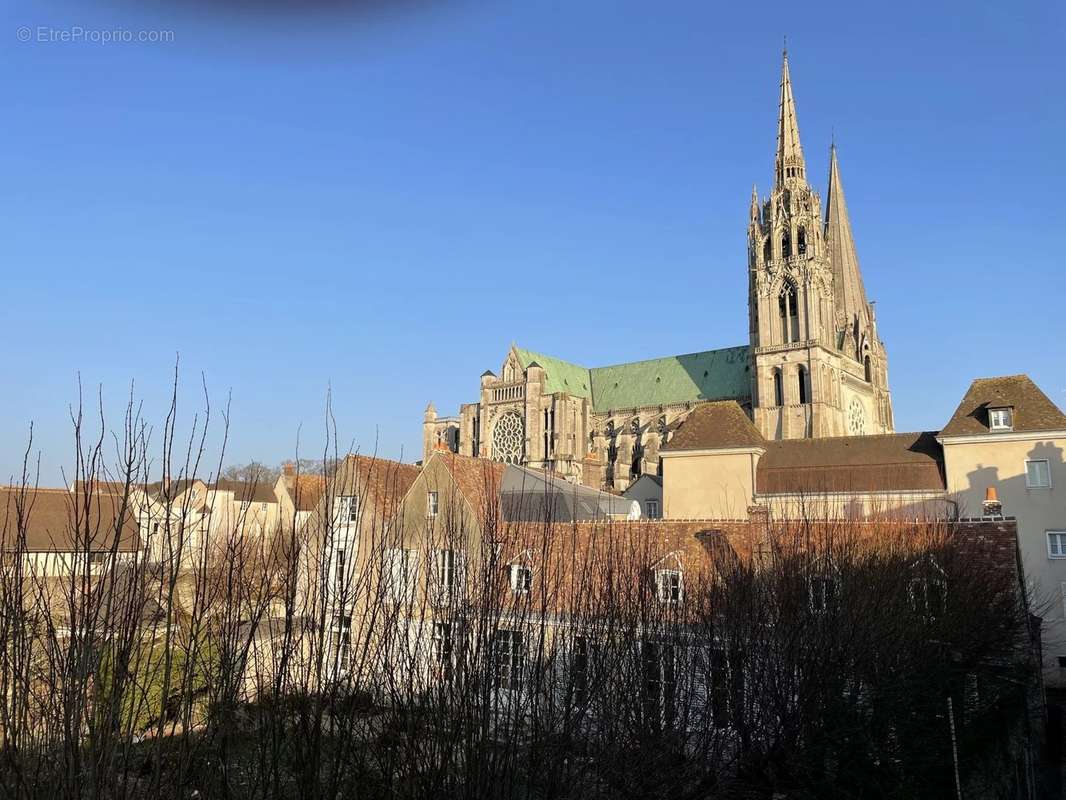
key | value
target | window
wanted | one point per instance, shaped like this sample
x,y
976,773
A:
x,y
801,374
99,558
582,667
867,369
719,679
928,597
1038,474
521,579
339,575
651,509
244,505
442,648
432,504
788,313
446,571
1000,419
401,574
668,585
801,242
507,659
1062,662
660,680
347,509
779,391
822,590
1056,544
341,641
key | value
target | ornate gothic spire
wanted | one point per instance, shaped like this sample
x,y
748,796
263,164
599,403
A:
x,y
789,164
850,296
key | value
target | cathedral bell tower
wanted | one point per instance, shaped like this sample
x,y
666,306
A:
x,y
818,367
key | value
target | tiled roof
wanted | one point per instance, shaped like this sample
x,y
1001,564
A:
x,y
57,520
884,463
1033,410
718,425
577,560
255,492
380,482
708,375
305,490
477,479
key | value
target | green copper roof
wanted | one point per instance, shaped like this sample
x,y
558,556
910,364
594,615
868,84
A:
x,y
559,375
710,375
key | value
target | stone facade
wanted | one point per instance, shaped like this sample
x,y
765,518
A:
x,y
814,366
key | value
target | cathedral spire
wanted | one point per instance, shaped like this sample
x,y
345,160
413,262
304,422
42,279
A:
x,y
789,164
850,296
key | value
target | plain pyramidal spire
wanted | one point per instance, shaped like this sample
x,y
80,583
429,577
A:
x,y
789,164
843,258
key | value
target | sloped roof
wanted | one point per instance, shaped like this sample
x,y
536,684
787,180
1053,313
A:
x,y
476,479
714,426
884,463
538,496
381,482
559,375
57,520
707,375
252,491
305,490
1033,410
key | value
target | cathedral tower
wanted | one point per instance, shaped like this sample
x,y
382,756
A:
x,y
818,366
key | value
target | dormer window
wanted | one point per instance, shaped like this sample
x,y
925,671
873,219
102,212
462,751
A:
x,y
668,585
1001,419
521,579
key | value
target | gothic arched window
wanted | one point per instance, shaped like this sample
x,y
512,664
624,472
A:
x,y
508,438
766,250
867,368
801,242
779,389
802,374
786,245
788,314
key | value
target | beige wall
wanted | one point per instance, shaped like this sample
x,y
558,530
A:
x,y
974,463
703,485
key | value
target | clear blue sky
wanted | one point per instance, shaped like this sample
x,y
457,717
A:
x,y
380,202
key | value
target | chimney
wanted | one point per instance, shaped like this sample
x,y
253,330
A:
x,y
991,507
288,469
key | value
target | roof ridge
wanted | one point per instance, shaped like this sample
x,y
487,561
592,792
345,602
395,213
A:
x,y
675,355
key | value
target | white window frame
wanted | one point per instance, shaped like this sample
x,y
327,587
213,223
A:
x,y
402,574
447,565
347,509
1060,540
443,646
1007,425
508,657
651,509
521,578
1047,467
432,504
341,642
664,586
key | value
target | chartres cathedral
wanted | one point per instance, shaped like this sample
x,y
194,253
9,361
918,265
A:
x,y
814,365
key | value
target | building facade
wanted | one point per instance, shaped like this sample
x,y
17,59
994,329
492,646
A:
x,y
814,365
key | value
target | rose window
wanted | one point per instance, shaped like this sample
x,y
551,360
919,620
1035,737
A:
x,y
856,418
507,438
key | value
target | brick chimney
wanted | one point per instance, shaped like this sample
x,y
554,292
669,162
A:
x,y
991,507
288,469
